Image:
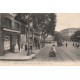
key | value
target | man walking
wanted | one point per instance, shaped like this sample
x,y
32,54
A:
x,y
31,47
73,44
66,44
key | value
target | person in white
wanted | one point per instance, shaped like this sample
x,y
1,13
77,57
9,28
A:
x,y
53,48
16,48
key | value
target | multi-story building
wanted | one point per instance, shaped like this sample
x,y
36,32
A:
x,y
66,33
11,33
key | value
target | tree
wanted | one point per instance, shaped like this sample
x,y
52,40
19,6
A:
x,y
58,36
75,36
72,37
43,23
26,19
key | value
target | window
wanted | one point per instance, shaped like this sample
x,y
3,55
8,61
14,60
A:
x,y
6,23
22,29
16,25
6,42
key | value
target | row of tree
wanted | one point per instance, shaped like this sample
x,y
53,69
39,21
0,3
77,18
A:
x,y
43,23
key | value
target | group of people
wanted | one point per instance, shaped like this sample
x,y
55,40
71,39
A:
x,y
53,51
25,47
75,45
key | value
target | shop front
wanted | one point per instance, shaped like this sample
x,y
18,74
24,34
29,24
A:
x,y
7,42
11,40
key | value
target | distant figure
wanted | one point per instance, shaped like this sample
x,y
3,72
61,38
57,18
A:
x,y
76,44
66,44
22,46
31,47
26,47
38,45
73,44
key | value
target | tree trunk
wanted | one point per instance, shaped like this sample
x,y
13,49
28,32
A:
x,y
28,40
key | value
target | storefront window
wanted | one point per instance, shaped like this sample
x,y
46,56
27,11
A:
x,y
6,42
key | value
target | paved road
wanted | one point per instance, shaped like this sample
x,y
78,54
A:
x,y
64,53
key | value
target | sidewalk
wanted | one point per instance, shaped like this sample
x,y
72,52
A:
x,y
20,56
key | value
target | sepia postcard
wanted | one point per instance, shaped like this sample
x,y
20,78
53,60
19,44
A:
x,y
49,39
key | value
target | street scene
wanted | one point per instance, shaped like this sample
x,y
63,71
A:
x,y
63,53
40,37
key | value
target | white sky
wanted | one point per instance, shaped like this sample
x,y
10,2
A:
x,y
67,20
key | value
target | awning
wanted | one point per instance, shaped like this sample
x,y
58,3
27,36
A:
x,y
11,30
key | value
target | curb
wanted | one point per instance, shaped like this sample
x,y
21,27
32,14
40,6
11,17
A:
x,y
24,58
20,58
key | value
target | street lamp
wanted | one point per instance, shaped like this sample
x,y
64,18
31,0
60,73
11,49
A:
x,y
28,34
29,25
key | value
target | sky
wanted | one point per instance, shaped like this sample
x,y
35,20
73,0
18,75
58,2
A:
x,y
67,20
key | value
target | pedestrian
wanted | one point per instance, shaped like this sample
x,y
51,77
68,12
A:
x,y
26,47
22,46
31,48
66,44
38,45
73,44
16,48
76,44
53,51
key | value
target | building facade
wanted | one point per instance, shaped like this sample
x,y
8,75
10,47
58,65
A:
x,y
66,33
10,33
13,32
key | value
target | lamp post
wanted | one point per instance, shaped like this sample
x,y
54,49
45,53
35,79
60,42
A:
x,y
28,34
29,26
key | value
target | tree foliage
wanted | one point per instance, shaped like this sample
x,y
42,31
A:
x,y
75,36
58,36
43,23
